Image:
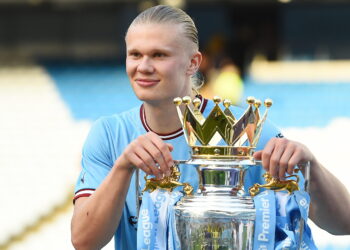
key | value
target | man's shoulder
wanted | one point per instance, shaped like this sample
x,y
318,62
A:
x,y
116,126
126,117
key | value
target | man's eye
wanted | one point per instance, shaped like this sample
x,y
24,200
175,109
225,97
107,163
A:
x,y
135,54
159,55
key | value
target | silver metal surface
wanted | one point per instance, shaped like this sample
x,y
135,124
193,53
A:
x,y
214,222
218,216
306,188
137,188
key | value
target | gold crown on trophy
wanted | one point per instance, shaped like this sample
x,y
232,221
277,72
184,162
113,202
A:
x,y
221,135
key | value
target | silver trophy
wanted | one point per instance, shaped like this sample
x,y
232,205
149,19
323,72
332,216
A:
x,y
221,213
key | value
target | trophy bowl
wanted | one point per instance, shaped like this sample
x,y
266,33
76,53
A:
x,y
220,215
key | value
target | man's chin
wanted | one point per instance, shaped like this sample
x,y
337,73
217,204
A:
x,y
154,98
148,97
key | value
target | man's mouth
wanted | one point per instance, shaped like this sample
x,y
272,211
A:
x,y
144,82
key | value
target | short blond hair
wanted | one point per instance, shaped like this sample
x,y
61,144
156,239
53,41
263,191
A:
x,y
163,14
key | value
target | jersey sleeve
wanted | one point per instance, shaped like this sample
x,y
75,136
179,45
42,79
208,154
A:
x,y
269,131
96,160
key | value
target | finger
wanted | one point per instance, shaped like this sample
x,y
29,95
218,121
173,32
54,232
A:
x,y
275,167
148,160
171,147
157,156
266,154
257,155
294,160
139,163
166,160
287,154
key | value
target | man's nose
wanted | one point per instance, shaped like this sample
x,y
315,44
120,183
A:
x,y
145,65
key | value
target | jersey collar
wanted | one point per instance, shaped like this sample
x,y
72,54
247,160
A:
x,y
174,134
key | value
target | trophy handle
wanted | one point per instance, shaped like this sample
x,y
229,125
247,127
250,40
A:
x,y
137,192
275,184
306,168
168,183
290,185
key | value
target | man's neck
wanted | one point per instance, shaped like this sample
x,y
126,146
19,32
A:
x,y
162,119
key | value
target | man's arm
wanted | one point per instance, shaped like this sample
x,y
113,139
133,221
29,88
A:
x,y
97,217
330,200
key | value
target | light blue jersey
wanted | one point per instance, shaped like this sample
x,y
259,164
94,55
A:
x,y
108,138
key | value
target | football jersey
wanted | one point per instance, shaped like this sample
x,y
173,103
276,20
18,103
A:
x,y
108,138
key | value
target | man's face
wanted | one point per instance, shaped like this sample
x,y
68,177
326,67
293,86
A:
x,y
158,61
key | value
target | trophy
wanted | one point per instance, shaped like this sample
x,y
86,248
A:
x,y
221,213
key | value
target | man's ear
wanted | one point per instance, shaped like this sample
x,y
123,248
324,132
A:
x,y
196,60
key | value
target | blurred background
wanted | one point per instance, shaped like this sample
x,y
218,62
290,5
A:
x,y
62,66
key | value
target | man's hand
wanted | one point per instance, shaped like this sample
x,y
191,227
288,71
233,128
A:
x,y
149,153
281,155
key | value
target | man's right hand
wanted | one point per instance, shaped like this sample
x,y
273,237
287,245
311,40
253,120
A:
x,y
149,153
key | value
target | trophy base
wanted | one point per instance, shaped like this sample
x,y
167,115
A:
x,y
215,222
